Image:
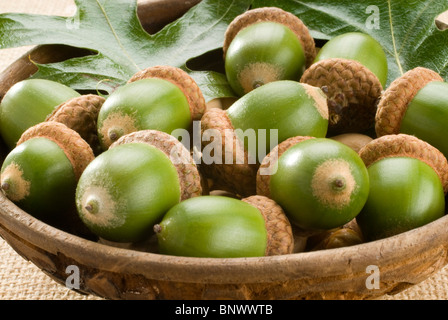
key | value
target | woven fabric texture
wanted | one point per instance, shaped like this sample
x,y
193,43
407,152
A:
x,y
22,280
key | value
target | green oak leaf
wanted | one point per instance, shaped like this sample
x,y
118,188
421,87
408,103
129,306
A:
x,y
405,28
120,46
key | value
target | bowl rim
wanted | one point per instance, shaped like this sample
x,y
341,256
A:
x,y
333,262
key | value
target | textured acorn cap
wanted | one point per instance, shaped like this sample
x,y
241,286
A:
x,y
352,93
403,145
81,114
396,98
269,163
280,236
189,176
181,79
273,14
77,150
238,176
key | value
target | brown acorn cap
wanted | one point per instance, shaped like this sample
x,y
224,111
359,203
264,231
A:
x,y
403,145
273,14
395,99
238,176
354,140
348,235
77,150
181,79
352,93
280,236
189,177
81,114
270,162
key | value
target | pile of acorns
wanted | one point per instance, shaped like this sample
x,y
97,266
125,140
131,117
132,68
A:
x,y
313,154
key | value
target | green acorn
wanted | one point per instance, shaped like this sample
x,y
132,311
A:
x,y
222,227
161,98
128,188
240,136
408,183
321,183
40,174
264,45
28,103
352,70
416,104
360,47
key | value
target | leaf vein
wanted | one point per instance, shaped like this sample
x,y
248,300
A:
x,y
397,58
116,35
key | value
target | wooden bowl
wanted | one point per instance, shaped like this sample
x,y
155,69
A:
x,y
119,273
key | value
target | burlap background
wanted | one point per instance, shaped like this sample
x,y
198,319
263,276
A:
x,y
21,280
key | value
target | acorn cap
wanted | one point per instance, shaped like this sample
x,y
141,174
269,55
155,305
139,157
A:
x,y
403,145
189,177
77,150
181,79
354,140
348,235
238,176
273,14
396,98
270,162
352,93
280,236
80,114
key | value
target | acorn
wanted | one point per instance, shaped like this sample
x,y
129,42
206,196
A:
x,y
264,45
354,140
408,184
41,173
129,187
222,227
27,103
81,114
161,98
352,70
236,140
348,235
222,103
321,183
416,104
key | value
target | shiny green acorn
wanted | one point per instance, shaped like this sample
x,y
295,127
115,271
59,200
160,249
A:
x,y
259,121
28,103
223,227
125,191
321,183
40,174
265,45
360,47
408,184
262,53
161,98
128,188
